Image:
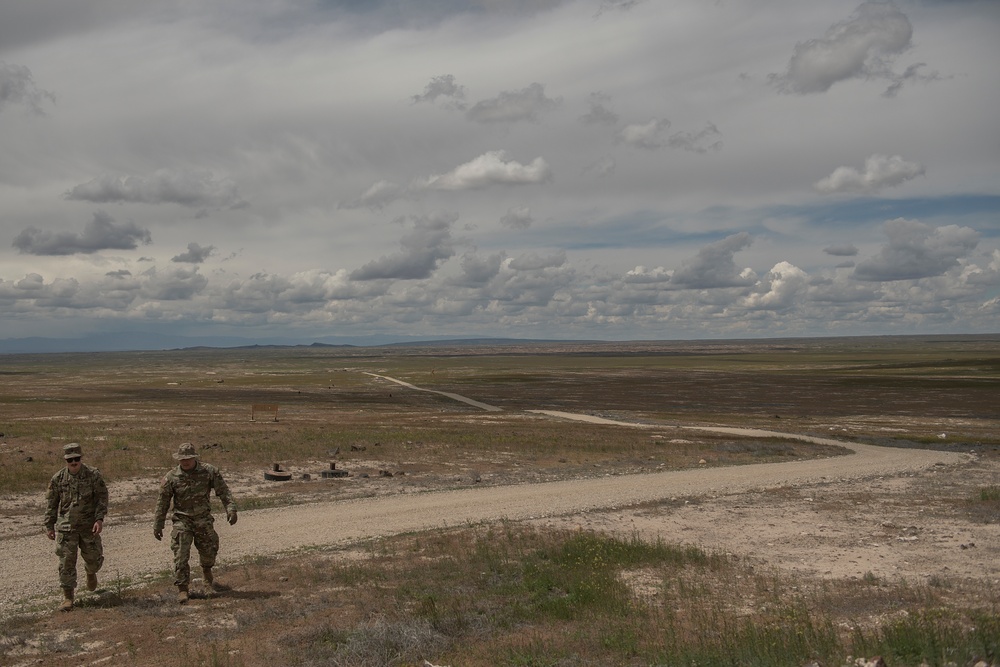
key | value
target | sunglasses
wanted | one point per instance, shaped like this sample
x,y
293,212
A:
x,y
75,459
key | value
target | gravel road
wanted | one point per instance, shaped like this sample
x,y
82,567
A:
x,y
28,564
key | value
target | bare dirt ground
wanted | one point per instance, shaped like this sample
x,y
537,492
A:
x,y
879,512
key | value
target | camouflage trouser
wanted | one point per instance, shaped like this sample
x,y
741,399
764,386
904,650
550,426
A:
x,y
89,546
201,533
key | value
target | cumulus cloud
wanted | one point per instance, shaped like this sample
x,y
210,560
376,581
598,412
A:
x,y
713,266
491,168
530,281
517,218
265,293
195,254
532,262
443,86
101,233
640,275
917,250
780,289
192,188
841,250
880,171
649,135
478,271
423,250
702,141
513,106
174,285
863,46
599,113
17,86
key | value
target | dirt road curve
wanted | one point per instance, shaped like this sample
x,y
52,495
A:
x,y
28,564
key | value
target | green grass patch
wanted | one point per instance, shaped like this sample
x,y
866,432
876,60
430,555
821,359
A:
x,y
989,494
512,595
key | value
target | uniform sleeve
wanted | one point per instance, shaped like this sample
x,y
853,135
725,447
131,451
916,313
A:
x,y
100,496
52,503
222,491
163,503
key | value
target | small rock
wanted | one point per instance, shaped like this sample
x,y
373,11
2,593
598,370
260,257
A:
x,y
877,661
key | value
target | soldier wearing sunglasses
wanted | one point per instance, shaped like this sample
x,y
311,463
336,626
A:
x,y
77,501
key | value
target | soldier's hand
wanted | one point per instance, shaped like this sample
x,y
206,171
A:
x,y
51,534
231,516
158,534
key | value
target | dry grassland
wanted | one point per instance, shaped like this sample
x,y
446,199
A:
x,y
517,593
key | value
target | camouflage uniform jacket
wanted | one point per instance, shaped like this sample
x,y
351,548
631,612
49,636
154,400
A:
x,y
190,492
76,502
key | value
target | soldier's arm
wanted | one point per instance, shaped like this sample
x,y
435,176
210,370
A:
x,y
163,504
222,491
51,505
100,496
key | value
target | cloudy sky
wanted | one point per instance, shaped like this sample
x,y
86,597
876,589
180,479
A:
x,y
602,169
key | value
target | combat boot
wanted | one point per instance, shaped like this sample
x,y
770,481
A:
x,y
182,594
91,581
209,579
67,604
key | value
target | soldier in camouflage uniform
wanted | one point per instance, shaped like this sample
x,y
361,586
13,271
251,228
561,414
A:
x,y
76,503
188,487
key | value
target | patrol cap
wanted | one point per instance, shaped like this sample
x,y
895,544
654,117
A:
x,y
186,451
72,450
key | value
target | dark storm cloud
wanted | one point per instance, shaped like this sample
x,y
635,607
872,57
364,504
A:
x,y
713,266
916,250
478,271
101,233
195,254
424,248
843,250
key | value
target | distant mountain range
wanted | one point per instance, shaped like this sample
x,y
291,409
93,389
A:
x,y
127,342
